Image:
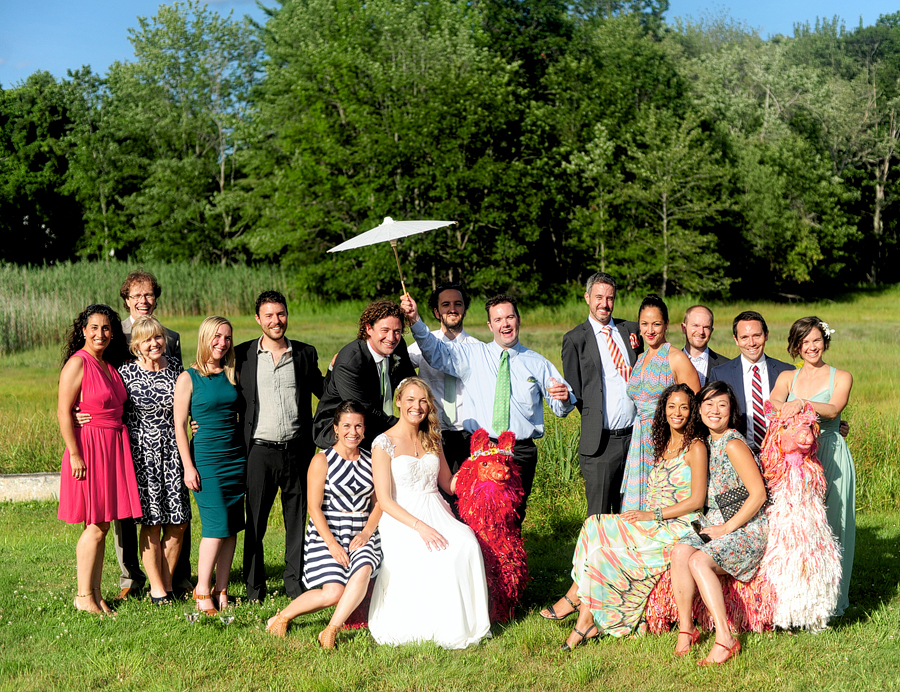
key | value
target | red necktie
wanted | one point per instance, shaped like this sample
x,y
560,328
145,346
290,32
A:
x,y
618,359
759,419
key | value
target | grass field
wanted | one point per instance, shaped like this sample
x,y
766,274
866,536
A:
x,y
44,644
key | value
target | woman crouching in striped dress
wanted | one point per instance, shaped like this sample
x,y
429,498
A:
x,y
342,548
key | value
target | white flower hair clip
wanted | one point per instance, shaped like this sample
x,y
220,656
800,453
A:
x,y
825,329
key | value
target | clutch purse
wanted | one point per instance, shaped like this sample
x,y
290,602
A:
x,y
731,501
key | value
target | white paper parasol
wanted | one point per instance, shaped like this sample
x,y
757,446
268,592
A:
x,y
390,231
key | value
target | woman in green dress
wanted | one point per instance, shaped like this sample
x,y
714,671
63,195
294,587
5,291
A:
x,y
827,389
214,461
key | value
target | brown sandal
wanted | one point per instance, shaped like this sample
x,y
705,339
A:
x,y
279,625
202,597
216,593
327,637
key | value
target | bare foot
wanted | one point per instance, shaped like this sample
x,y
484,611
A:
x,y
86,603
103,605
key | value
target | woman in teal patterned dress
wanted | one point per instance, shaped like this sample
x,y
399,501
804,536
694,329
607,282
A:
x,y
734,546
620,557
214,461
658,367
827,389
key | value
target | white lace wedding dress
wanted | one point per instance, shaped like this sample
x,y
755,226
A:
x,y
438,596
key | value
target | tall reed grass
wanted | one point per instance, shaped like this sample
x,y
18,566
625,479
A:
x,y
38,303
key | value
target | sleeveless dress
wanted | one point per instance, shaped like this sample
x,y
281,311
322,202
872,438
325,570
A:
x,y
349,495
218,455
617,563
423,595
109,489
739,552
647,382
840,496
150,419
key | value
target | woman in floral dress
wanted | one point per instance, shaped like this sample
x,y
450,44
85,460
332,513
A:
x,y
620,557
732,546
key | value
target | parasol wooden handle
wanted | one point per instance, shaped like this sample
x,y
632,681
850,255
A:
x,y
397,257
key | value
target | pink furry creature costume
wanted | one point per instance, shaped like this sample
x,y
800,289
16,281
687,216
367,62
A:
x,y
489,491
798,581
802,559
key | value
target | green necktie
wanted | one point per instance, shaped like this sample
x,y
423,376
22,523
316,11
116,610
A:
x,y
387,405
449,399
501,396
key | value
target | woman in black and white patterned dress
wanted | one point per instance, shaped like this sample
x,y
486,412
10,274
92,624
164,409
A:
x,y
342,548
149,417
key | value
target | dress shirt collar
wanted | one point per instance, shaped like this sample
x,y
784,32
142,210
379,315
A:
x,y
260,349
599,327
497,350
461,337
747,366
377,356
702,358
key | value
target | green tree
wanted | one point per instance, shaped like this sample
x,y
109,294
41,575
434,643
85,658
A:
x,y
184,107
677,192
40,222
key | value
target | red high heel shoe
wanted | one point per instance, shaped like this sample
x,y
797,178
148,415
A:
x,y
695,637
732,650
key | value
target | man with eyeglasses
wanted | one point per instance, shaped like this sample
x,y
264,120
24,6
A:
x,y
448,303
140,292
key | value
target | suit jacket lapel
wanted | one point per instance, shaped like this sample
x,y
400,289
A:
x,y
591,339
626,337
739,383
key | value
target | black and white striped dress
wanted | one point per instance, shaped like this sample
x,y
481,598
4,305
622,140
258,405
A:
x,y
349,496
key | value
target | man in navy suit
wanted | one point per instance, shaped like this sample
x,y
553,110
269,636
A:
x,y
589,355
751,375
698,328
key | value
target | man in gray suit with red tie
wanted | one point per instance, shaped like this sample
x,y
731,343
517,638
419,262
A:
x,y
597,357
751,375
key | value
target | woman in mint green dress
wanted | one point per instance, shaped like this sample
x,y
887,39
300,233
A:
x,y
827,389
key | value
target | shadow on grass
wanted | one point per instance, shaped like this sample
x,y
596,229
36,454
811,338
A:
x,y
876,573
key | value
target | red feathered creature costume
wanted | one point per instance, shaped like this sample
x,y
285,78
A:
x,y
489,492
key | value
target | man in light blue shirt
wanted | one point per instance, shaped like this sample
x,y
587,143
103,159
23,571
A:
x,y
529,377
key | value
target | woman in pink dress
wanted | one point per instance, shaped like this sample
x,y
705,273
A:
x,y
98,483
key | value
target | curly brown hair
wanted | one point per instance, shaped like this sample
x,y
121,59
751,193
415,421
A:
x,y
378,311
138,277
661,433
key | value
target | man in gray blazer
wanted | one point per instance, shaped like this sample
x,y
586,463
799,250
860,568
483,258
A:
x,y
597,357
697,329
140,292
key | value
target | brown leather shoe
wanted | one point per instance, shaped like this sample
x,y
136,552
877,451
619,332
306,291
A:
x,y
129,592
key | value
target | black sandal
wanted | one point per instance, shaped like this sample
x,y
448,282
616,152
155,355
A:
x,y
554,616
584,638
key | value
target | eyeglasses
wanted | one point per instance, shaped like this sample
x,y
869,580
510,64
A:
x,y
145,296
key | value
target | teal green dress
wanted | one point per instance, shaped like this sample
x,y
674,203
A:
x,y
218,455
840,497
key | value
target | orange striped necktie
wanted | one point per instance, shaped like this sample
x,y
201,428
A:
x,y
619,360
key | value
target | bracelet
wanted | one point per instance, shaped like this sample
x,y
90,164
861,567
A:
x,y
415,524
657,513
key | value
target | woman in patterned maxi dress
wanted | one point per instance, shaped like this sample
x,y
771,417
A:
x,y
150,418
342,548
734,546
619,558
656,368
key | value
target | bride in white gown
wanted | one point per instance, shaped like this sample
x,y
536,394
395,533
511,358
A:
x,y
432,585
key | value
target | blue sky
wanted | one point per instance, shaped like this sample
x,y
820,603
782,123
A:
x,y
56,35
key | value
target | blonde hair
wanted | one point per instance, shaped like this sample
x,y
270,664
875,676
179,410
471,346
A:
x,y
208,329
145,327
430,428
